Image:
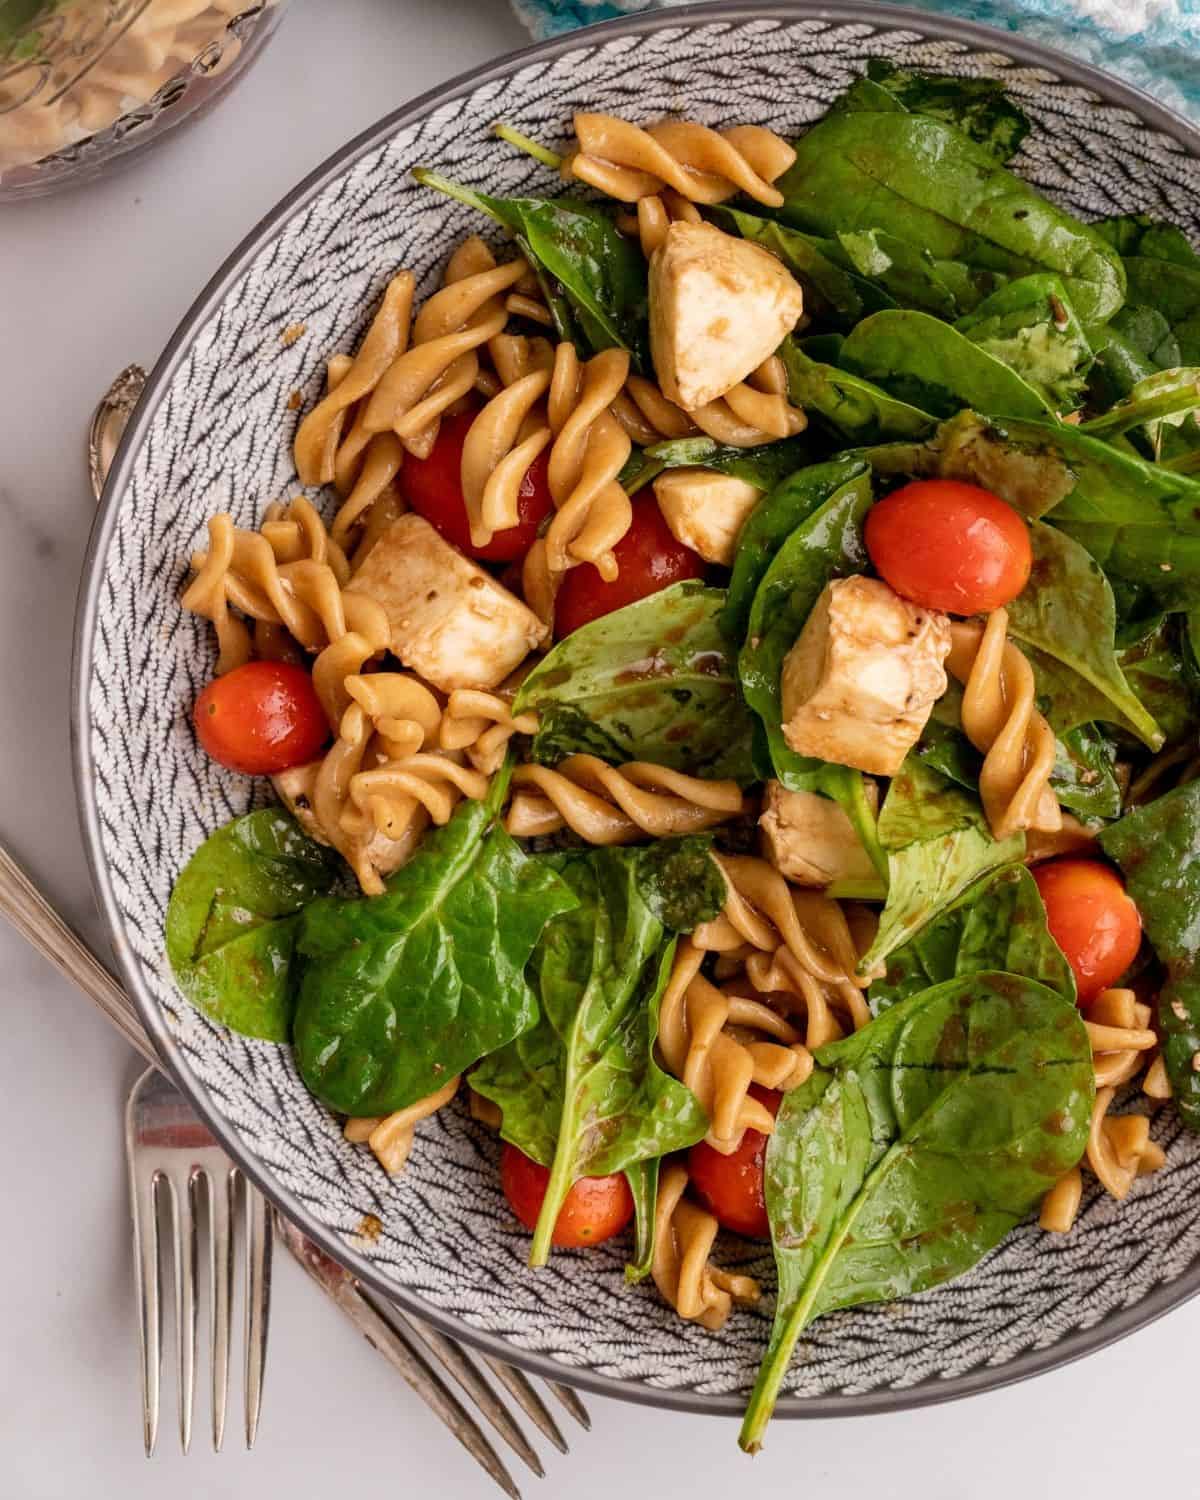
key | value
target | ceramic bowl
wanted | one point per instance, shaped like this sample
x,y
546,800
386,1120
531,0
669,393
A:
x,y
213,432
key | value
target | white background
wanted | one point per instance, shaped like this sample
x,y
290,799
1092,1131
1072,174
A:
x,y
89,282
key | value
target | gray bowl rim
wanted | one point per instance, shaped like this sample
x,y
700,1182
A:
x,y
882,17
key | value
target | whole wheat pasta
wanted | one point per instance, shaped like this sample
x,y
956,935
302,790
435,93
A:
x,y
684,1235
391,1137
503,440
754,412
718,1044
441,363
702,165
646,414
1000,719
1060,1206
654,215
616,805
590,447
481,725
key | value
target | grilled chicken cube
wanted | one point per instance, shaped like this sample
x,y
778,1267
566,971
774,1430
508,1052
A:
x,y
450,622
705,510
859,684
810,840
719,306
294,788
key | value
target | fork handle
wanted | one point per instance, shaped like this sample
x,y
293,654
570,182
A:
x,y
37,921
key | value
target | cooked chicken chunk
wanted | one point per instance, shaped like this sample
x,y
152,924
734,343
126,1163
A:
x,y
450,621
705,510
719,306
294,788
859,684
810,840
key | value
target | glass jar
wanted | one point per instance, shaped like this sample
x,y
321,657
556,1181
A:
x,y
86,82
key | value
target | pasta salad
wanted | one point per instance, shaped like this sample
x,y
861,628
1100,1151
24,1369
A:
x,y
739,637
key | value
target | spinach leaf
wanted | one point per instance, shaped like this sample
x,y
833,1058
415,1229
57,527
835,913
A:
x,y
1153,660
926,183
762,467
653,681
1030,326
835,292
1160,404
853,407
937,843
1067,612
770,524
978,107
1163,273
998,923
233,918
826,544
914,1148
585,1076
601,273
680,882
1140,234
1084,778
1158,850
642,1178
404,990
931,366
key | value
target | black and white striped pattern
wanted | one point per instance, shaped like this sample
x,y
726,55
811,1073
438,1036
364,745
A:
x,y
220,438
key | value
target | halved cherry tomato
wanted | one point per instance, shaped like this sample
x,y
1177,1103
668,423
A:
x,y
261,718
731,1187
1092,920
648,558
594,1210
946,545
433,488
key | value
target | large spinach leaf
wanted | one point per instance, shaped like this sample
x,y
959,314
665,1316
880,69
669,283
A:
x,y
404,990
937,844
998,923
653,681
1067,612
1152,656
826,544
770,524
855,408
1158,850
1163,273
926,183
929,365
233,918
1030,326
978,107
600,272
914,1148
581,1091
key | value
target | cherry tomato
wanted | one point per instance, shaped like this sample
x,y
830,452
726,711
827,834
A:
x,y
731,1187
1091,919
595,1209
946,545
433,488
261,718
648,558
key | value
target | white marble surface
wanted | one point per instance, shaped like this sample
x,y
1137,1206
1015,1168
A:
x,y
89,282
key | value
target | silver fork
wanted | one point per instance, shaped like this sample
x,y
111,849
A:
x,y
410,1347
174,1163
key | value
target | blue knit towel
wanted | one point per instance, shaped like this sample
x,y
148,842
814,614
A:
x,y
1154,44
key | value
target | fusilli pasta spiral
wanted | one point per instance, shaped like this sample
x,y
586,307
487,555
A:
x,y
391,1137
716,1064
608,805
684,1235
702,165
1000,719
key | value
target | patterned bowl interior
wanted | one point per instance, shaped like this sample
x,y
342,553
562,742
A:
x,y
220,439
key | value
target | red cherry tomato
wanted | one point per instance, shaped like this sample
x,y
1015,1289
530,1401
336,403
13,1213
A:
x,y
595,1209
946,545
1092,920
648,558
261,718
731,1187
433,488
